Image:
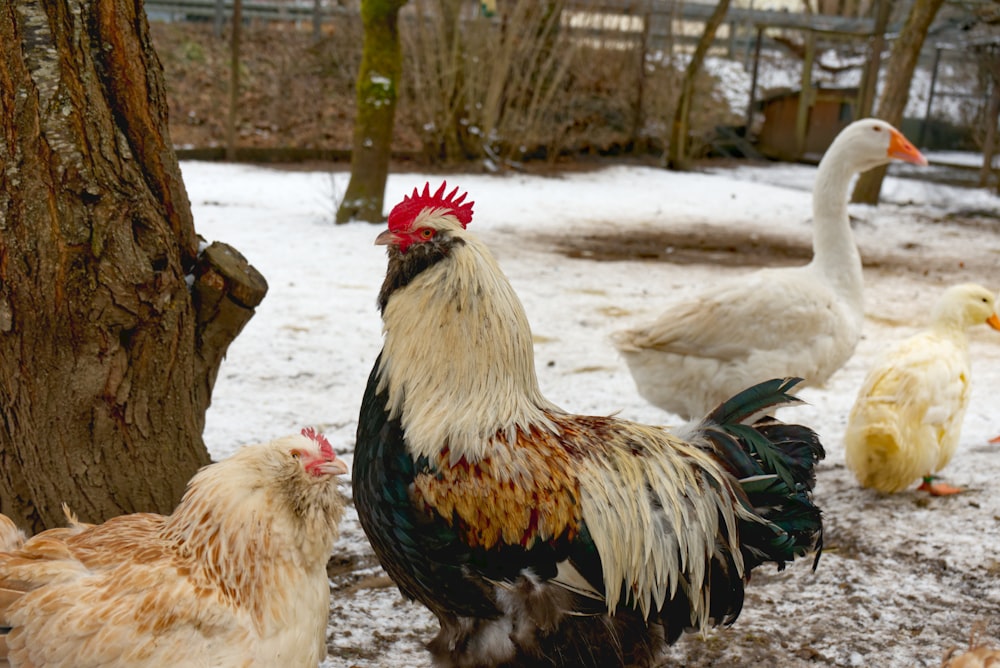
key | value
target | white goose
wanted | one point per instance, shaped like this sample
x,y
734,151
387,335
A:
x,y
792,321
907,418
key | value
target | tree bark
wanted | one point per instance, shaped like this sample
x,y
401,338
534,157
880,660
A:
x,y
896,92
107,359
377,90
677,157
869,74
989,59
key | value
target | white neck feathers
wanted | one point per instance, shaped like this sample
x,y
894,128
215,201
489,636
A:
x,y
458,360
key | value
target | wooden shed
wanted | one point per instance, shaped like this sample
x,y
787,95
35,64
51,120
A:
x,y
830,110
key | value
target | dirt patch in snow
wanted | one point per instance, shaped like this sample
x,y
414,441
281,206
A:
x,y
740,247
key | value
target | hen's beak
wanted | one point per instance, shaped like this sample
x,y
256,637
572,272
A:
x,y
901,149
325,466
336,467
994,321
387,238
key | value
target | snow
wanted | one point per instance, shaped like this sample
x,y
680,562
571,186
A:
x,y
903,578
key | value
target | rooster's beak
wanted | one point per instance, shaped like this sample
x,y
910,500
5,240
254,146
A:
x,y
387,238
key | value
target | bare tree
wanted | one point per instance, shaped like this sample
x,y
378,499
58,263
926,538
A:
x,y
896,92
869,75
112,322
677,157
377,91
989,60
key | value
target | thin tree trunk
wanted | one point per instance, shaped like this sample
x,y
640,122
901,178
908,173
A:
x,y
635,131
377,91
455,138
107,355
677,157
990,59
869,76
892,102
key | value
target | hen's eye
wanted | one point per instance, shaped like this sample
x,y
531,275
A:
x,y
296,454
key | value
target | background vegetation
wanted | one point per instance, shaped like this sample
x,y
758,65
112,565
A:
x,y
465,95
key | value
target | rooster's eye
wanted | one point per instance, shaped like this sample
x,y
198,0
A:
x,y
426,233
296,454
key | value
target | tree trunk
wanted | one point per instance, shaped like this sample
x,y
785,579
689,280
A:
x,y
869,74
107,356
896,92
677,157
989,59
377,90
642,48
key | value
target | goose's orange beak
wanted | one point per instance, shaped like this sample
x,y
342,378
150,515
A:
x,y
900,148
994,321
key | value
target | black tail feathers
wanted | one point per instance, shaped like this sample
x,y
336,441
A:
x,y
776,466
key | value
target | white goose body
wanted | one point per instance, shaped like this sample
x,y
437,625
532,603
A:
x,y
794,321
907,418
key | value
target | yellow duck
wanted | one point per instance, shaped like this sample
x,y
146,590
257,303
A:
x,y
907,418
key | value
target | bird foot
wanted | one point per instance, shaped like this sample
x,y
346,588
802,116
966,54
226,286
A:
x,y
938,488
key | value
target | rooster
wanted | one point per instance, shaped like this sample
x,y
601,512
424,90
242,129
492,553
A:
x,y
236,576
538,537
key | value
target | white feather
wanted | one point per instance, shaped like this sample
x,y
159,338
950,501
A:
x,y
799,321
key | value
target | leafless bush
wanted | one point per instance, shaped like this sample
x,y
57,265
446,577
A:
x,y
295,91
522,84
534,82
537,81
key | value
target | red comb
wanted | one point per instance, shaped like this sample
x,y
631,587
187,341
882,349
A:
x,y
324,444
403,213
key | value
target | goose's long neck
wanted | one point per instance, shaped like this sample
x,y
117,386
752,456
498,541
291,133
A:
x,y
835,252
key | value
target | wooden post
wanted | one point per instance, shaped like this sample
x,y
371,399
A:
x,y
220,15
991,113
805,95
753,79
930,97
234,80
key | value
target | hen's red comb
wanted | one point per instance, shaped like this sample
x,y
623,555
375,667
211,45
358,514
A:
x,y
403,213
324,444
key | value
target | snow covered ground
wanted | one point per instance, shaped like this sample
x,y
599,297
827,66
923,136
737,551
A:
x,y
902,578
